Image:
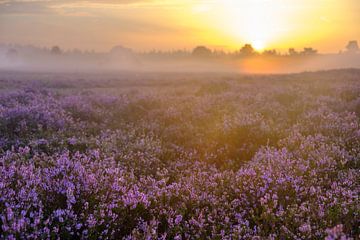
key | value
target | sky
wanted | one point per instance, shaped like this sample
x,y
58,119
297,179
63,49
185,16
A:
x,y
181,24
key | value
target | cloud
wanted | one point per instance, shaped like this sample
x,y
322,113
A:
x,y
23,7
48,6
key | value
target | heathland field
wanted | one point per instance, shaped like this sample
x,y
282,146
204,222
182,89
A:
x,y
180,156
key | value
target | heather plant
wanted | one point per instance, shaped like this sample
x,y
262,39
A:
x,y
230,157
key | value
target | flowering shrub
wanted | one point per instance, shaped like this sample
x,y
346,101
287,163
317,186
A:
x,y
265,157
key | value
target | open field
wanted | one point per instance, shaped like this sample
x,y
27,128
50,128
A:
x,y
180,156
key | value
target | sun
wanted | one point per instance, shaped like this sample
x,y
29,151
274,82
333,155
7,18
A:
x,y
258,45
259,22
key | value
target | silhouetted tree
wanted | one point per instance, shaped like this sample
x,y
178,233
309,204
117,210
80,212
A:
x,y
247,50
56,50
201,51
219,53
270,53
293,52
309,51
120,50
352,47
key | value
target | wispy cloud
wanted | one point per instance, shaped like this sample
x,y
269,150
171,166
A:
x,y
24,7
47,6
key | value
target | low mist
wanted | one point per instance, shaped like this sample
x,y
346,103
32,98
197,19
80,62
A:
x,y
201,59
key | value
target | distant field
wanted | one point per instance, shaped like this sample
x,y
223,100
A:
x,y
180,156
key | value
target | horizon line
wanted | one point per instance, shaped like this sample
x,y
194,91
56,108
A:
x,y
136,50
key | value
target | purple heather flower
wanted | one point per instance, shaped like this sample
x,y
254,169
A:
x,y
178,219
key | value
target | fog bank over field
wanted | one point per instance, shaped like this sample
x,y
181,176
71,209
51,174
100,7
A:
x,y
201,59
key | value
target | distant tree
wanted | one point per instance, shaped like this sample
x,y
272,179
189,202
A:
x,y
247,50
121,54
352,47
219,53
309,51
120,50
270,52
56,50
180,53
201,51
293,52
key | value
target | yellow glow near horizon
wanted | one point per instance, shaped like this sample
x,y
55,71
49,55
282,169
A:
x,y
177,24
254,21
282,24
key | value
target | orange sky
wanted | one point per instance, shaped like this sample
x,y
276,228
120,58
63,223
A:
x,y
176,24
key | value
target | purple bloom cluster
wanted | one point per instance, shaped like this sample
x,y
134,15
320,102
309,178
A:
x,y
261,158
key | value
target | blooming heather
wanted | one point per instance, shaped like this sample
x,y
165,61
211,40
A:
x,y
187,157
